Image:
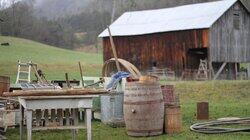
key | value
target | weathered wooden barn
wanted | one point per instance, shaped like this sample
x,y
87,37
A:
x,y
178,37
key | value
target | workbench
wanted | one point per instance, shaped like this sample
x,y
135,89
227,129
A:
x,y
56,104
55,109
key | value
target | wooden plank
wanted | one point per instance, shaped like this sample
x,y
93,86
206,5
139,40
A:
x,y
67,117
46,117
59,128
60,117
53,117
55,92
67,80
114,50
220,70
76,116
38,117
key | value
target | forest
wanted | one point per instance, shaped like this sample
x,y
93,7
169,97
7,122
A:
x,y
73,24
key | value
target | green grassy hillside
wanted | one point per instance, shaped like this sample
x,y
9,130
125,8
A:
x,y
55,62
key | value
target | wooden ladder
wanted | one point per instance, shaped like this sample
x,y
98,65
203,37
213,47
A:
x,y
23,72
202,71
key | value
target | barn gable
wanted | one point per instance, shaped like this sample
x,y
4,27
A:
x,y
230,36
195,16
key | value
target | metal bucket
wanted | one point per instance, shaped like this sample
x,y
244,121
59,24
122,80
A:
x,y
4,84
112,109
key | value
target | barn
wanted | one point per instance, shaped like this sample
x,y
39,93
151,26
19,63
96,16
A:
x,y
177,38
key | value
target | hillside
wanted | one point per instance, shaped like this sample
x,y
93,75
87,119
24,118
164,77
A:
x,y
53,61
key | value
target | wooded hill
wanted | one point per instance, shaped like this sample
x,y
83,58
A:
x,y
64,27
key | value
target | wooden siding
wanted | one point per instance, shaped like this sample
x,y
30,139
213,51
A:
x,y
229,44
167,49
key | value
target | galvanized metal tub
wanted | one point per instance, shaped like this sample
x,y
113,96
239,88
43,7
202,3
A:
x,y
112,108
143,109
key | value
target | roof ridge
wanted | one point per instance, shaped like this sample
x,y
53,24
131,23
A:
x,y
186,5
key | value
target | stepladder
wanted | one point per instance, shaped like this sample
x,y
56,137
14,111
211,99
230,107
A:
x,y
24,73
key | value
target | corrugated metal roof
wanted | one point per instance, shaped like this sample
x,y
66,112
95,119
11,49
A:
x,y
195,16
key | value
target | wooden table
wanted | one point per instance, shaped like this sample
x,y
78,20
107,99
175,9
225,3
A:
x,y
32,103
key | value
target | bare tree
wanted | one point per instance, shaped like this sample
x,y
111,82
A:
x,y
13,6
113,11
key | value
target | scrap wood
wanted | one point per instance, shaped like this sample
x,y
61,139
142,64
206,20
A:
x,y
64,92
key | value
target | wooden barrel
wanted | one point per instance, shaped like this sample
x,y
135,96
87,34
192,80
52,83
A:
x,y
4,84
202,111
143,109
173,119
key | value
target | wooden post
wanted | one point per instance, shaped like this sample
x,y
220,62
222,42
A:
x,y
210,65
67,80
114,50
236,70
80,68
202,111
220,70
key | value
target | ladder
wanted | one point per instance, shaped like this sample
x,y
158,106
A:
x,y
202,71
23,72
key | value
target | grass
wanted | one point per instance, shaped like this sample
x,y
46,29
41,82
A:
x,y
55,62
226,99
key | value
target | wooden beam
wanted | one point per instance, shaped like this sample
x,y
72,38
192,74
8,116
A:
x,y
67,80
114,50
220,70
236,70
63,92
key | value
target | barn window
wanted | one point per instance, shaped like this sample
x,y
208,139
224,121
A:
x,y
236,19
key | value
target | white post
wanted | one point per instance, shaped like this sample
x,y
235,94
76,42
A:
x,y
29,125
21,121
88,122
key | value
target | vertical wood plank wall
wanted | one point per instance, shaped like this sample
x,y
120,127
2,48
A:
x,y
229,44
167,49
